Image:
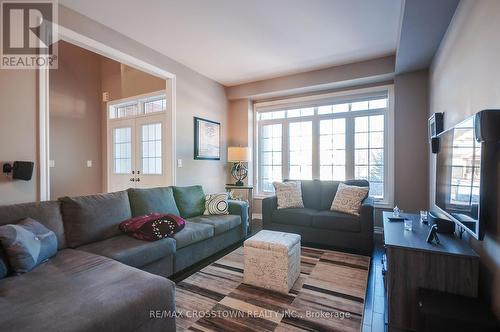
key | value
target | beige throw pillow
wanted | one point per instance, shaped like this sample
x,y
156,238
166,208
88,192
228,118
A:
x,y
348,199
289,194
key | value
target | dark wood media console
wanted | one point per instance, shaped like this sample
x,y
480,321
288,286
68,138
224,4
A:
x,y
412,263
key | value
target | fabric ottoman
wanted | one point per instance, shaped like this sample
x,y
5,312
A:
x,y
272,260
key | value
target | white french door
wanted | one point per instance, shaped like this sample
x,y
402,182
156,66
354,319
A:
x,y
151,149
136,152
121,154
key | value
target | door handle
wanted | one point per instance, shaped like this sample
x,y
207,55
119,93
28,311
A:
x,y
138,172
132,179
138,180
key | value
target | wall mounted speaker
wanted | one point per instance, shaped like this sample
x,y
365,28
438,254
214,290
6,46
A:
x,y
435,144
436,124
22,170
487,124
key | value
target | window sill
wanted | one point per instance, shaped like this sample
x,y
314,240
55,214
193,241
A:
x,y
382,205
262,196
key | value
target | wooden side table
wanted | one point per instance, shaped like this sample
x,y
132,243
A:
x,y
249,189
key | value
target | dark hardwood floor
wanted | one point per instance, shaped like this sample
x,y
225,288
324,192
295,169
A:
x,y
373,318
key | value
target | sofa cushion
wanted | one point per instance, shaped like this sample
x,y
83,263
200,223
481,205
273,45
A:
x,y
294,216
348,199
27,244
221,223
289,194
46,213
130,251
311,193
192,233
329,189
152,200
80,291
94,218
216,204
336,221
190,201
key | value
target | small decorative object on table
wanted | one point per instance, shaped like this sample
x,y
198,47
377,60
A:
x,y
396,212
408,224
272,260
238,155
423,217
432,236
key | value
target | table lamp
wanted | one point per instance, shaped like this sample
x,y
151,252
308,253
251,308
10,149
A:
x,y
238,155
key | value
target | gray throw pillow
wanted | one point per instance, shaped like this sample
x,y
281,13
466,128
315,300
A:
x,y
27,244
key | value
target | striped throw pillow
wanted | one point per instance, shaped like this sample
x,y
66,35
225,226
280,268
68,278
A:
x,y
216,204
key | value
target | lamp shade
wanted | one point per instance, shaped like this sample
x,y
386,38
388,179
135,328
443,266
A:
x,y
238,153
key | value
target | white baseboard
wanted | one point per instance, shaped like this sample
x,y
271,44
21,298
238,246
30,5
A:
x,y
257,216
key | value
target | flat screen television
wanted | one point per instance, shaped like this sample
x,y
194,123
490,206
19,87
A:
x,y
458,176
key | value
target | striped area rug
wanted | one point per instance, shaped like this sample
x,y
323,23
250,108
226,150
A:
x,y
328,296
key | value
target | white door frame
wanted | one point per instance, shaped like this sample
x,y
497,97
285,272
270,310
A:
x,y
109,52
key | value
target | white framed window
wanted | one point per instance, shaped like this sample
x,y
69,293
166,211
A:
x,y
332,149
137,106
122,150
271,152
151,149
336,136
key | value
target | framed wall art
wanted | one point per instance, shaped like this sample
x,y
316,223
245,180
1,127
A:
x,y
207,138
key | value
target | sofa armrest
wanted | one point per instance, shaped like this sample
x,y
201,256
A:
x,y
269,204
366,215
240,208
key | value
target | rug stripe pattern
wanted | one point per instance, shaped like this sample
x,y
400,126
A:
x,y
328,296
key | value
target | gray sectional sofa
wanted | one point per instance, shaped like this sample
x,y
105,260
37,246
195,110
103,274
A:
x,y
99,279
317,225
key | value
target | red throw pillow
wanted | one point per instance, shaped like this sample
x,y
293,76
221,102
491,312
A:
x,y
152,227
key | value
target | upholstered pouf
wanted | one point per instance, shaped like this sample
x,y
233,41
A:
x,y
272,260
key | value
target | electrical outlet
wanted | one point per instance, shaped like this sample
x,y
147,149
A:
x,y
52,163
89,163
179,162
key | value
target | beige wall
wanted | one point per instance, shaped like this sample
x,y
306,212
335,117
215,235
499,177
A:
x,y
122,81
18,131
411,143
75,123
240,130
464,79
78,116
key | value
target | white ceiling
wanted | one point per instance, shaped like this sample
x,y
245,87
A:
x,y
238,41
